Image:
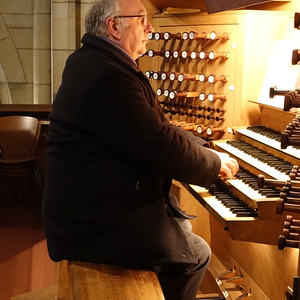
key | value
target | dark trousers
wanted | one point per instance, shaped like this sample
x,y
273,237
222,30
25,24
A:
x,y
182,281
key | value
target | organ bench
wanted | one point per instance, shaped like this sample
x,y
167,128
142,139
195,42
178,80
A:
x,y
89,281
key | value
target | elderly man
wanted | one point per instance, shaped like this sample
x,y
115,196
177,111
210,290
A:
x,y
112,157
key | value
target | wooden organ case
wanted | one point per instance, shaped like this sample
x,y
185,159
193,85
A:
x,y
209,72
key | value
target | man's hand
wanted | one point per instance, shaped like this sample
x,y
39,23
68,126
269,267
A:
x,y
229,166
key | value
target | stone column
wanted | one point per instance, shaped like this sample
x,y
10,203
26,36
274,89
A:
x,y
41,52
63,37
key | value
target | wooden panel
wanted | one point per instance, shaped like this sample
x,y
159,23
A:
x,y
245,69
64,287
275,118
108,282
260,264
39,111
179,3
221,5
211,5
197,23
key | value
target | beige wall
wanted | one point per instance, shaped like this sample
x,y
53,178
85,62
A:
x,y
24,51
29,29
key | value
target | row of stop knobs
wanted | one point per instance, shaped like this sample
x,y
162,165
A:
x,y
186,94
192,35
211,55
185,76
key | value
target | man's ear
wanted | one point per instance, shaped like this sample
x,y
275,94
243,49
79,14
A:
x,y
111,25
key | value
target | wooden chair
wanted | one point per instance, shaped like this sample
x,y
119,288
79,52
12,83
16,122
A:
x,y
88,281
18,165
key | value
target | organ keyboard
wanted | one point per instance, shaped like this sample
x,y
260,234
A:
x,y
269,137
246,210
261,160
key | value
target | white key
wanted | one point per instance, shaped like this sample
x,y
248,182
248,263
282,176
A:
x,y
270,142
213,202
219,207
254,162
246,189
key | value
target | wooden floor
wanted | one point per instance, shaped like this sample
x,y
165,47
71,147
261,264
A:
x,y
24,262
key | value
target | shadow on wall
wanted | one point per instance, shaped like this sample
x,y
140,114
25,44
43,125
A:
x,y
5,96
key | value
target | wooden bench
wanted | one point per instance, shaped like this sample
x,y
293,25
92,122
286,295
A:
x,y
89,281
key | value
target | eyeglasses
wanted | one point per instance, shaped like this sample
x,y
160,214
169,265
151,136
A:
x,y
143,18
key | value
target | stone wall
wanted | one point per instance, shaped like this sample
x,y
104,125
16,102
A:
x,y
25,51
36,37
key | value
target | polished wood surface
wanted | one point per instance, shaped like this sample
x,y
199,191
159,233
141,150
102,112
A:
x,y
209,5
221,5
261,264
88,281
39,111
64,287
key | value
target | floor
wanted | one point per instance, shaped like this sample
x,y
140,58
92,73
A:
x,y
24,262
47,293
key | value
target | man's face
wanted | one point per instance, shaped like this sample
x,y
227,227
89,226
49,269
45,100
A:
x,y
133,30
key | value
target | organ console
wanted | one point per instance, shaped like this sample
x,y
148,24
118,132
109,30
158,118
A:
x,y
241,218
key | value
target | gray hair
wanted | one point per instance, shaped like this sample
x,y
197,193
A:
x,y
97,15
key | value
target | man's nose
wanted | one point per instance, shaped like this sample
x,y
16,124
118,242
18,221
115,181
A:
x,y
149,28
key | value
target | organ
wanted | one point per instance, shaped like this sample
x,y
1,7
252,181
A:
x,y
218,82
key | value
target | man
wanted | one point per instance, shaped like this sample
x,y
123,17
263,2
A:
x,y
112,156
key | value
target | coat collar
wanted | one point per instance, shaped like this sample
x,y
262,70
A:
x,y
109,48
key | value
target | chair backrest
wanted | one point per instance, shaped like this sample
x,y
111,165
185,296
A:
x,y
18,137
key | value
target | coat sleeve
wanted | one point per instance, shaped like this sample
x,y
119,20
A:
x,y
191,136
122,118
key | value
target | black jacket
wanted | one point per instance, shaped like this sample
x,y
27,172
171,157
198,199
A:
x,y
111,158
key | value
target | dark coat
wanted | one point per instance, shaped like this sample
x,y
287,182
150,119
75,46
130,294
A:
x,y
111,158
